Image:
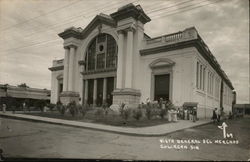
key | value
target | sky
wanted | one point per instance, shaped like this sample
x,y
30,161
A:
x,y
29,28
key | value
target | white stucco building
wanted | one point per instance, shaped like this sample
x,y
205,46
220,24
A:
x,y
112,60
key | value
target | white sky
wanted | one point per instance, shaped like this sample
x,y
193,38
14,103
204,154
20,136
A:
x,y
29,28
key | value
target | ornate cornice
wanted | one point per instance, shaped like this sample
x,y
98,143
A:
x,y
71,32
197,43
131,10
56,68
98,71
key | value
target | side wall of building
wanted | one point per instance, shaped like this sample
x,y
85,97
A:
x,y
208,89
181,75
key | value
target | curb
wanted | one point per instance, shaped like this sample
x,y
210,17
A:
x,y
99,129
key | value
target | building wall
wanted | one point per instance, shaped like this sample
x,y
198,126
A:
x,y
54,86
209,98
182,75
184,85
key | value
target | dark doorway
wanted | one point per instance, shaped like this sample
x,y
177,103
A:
x,y
90,91
99,92
60,88
162,87
110,89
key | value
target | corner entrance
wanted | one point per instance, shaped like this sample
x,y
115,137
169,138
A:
x,y
161,87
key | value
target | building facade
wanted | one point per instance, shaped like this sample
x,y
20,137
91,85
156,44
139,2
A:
x,y
16,96
113,61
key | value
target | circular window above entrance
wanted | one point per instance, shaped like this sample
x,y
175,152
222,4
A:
x,y
101,47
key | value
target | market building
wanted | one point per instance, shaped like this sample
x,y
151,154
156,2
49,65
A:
x,y
114,61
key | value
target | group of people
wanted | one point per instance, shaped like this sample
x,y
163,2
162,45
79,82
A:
x,y
217,113
189,114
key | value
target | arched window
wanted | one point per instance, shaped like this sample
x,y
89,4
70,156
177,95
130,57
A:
x,y
101,53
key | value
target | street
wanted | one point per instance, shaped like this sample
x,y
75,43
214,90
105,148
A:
x,y
20,139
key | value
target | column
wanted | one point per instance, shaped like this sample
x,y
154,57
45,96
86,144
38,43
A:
x,y
66,70
95,92
115,82
120,59
86,91
71,68
201,78
129,59
104,99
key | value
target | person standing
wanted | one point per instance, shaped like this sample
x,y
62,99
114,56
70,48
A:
x,y
191,114
194,114
24,107
214,117
219,115
4,108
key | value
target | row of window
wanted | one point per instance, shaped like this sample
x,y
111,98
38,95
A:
x,y
205,77
200,76
227,96
213,82
217,87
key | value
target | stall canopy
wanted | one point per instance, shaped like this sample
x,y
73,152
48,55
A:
x,y
190,104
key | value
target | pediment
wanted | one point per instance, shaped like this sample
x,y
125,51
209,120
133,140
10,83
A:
x,y
79,33
97,22
60,76
161,62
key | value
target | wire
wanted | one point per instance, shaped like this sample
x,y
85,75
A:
x,y
35,44
178,9
61,24
57,9
59,39
188,9
156,10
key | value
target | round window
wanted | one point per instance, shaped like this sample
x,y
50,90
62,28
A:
x,y
101,48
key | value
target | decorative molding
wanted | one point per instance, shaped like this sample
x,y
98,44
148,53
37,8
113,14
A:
x,y
71,32
161,62
127,91
168,47
199,45
60,76
56,68
131,10
120,31
98,71
69,94
82,62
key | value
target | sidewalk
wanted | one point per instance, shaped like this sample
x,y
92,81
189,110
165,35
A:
x,y
158,130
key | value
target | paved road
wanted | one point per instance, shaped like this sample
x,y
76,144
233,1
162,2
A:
x,y
30,139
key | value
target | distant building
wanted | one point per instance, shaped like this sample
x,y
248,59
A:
x,y
241,109
13,95
113,61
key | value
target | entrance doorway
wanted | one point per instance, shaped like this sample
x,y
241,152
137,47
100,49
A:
x,y
161,87
100,98
110,89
